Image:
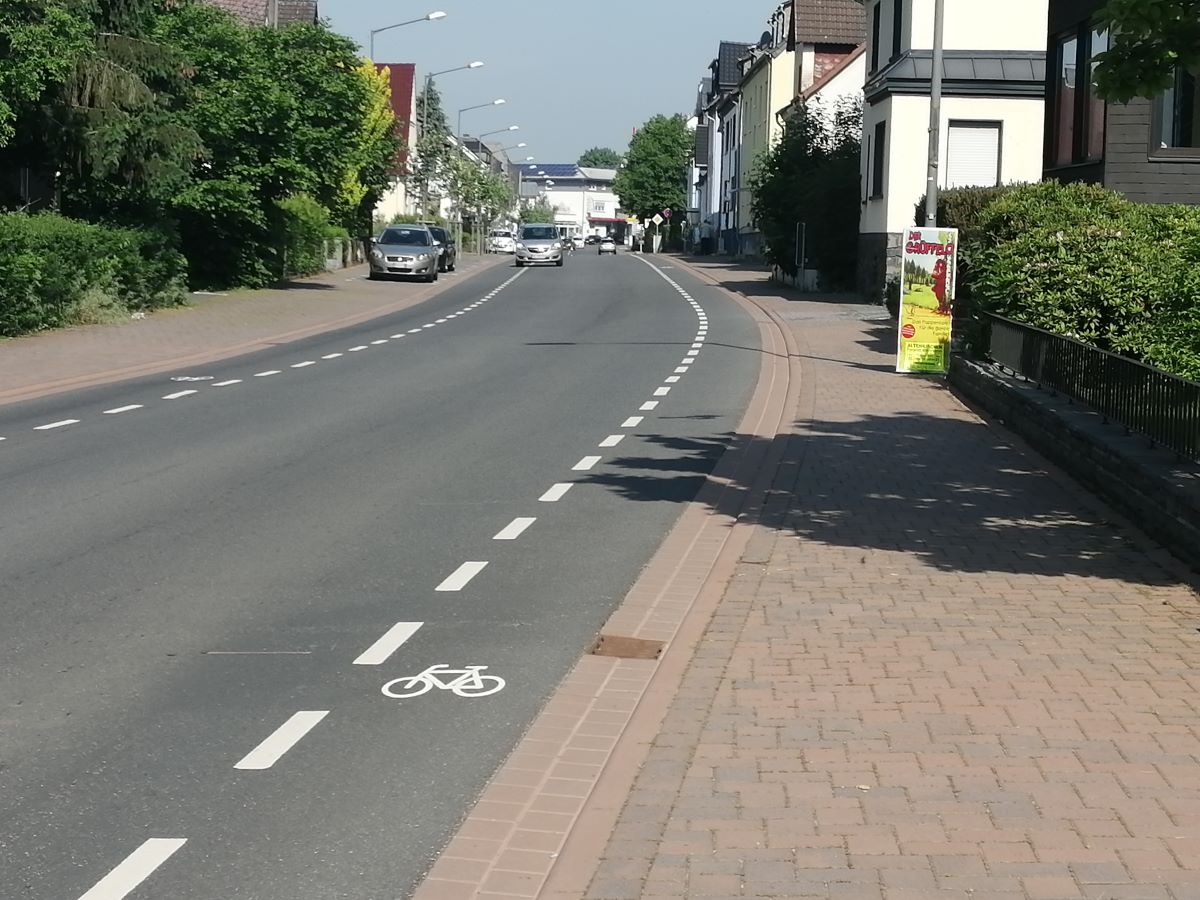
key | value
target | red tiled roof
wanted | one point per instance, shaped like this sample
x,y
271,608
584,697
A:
x,y
828,22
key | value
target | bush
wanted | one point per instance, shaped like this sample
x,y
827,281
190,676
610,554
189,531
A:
x,y
303,229
56,271
1082,261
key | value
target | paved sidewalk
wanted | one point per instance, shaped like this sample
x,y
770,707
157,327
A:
x,y
941,670
212,327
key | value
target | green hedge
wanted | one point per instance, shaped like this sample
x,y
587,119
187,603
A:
x,y
1083,261
56,271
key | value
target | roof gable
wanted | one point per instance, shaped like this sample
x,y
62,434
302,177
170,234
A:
x,y
828,22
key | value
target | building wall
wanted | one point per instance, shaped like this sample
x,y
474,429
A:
x,y
1129,167
764,93
970,25
575,204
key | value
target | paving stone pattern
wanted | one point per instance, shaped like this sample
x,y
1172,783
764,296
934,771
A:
x,y
940,671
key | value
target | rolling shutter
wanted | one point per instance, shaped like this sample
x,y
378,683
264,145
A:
x,y
973,154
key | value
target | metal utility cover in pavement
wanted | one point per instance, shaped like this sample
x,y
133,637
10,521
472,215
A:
x,y
627,647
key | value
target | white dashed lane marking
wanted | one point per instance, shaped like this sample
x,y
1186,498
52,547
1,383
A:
x,y
358,348
672,379
612,440
121,409
227,383
331,356
662,391
268,372
305,364
62,424
282,739
135,869
556,492
178,394
648,405
514,529
585,464
632,422
461,576
380,341
380,651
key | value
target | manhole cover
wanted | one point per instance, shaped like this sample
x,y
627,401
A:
x,y
627,647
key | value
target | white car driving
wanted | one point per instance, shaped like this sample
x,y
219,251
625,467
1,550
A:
x,y
502,241
607,245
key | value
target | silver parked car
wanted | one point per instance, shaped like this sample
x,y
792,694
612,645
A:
x,y
406,251
539,244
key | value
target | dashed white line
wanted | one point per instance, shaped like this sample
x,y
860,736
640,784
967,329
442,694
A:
x,y
686,362
612,440
380,341
227,383
380,651
118,410
648,405
693,353
461,576
662,391
357,349
430,325
266,373
697,345
134,869
586,463
632,422
282,740
178,394
672,379
332,355
681,370
61,424
396,337
439,321
305,364
514,529
556,492
414,331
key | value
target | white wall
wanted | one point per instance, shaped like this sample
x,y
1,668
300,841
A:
x,y
908,146
576,204
974,25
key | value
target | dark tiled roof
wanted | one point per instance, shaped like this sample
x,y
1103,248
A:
x,y
255,12
297,12
971,65
728,71
828,22
252,12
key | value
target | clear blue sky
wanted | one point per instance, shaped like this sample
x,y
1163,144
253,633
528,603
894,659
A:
x,y
575,73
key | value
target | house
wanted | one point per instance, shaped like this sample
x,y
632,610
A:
x,y
766,86
823,35
716,125
1148,149
401,77
992,112
278,13
584,200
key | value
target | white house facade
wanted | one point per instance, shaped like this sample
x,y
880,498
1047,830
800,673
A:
x,y
583,198
992,112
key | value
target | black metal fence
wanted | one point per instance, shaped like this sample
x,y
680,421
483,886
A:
x,y
1163,407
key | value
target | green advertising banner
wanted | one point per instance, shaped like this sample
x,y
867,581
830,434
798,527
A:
x,y
927,299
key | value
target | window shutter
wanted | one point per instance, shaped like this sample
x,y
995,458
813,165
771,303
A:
x,y
973,155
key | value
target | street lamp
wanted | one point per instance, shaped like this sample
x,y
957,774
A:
x,y
499,101
425,119
428,17
500,131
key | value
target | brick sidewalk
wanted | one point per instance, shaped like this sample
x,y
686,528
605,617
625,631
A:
x,y
940,671
213,327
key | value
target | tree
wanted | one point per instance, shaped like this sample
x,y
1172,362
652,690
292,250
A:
x,y
654,176
812,176
542,211
431,161
1149,39
599,158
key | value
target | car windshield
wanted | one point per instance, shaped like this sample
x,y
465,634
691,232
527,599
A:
x,y
539,233
416,237
501,234
439,234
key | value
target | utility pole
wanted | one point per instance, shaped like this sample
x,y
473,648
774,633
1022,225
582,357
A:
x,y
935,115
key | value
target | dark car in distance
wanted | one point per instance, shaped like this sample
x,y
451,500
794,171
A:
x,y
448,251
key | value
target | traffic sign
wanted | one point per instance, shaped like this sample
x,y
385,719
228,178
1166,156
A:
x,y
667,213
657,220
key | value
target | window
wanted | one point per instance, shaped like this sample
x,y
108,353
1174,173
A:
x,y
878,160
973,154
875,35
1177,117
1077,134
897,26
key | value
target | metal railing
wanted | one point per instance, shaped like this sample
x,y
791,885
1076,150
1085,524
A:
x,y
1163,407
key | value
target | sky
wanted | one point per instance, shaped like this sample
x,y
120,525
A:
x,y
574,73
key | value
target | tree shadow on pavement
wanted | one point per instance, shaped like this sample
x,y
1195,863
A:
x,y
949,491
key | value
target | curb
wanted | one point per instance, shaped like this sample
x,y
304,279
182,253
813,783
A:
x,y
110,376
542,823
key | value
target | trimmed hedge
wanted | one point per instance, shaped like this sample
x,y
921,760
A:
x,y
56,271
1083,261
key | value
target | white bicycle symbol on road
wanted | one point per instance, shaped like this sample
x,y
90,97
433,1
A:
x,y
469,683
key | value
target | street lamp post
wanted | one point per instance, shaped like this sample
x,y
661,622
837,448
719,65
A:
x,y
499,101
935,115
425,121
428,17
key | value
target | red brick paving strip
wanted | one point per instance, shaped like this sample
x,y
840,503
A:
x,y
942,671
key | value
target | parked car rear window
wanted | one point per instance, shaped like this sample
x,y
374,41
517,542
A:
x,y
539,233
418,237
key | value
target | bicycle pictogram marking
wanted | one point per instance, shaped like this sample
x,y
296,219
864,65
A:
x,y
468,681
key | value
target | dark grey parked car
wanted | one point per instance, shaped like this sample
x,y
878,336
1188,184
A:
x,y
406,251
448,252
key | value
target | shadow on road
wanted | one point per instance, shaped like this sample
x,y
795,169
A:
x,y
949,491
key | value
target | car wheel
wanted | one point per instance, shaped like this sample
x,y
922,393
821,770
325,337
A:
x,y
371,276
559,263
520,264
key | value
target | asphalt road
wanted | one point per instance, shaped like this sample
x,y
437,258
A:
x,y
193,585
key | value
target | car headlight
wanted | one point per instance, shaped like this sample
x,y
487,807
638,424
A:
x,y
520,246
376,254
557,246
423,257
